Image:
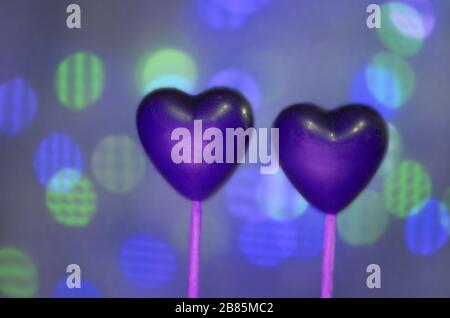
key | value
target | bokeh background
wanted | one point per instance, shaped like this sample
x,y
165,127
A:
x,y
76,187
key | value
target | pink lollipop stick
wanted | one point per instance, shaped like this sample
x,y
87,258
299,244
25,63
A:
x,y
329,242
194,250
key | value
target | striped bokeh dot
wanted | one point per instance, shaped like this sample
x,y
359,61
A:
x,y
18,106
268,243
147,262
18,274
74,207
79,80
118,163
406,187
55,153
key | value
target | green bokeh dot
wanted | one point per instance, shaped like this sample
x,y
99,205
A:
x,y
364,221
75,207
18,274
118,163
390,79
402,30
79,80
406,187
168,68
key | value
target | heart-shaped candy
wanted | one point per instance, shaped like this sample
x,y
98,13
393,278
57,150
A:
x,y
164,110
330,156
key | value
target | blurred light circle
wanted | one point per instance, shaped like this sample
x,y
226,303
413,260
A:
x,y
18,274
394,151
168,68
17,106
217,16
364,221
240,81
118,163
406,188
268,243
87,290
278,198
361,94
75,207
64,180
426,11
424,231
390,79
406,20
55,153
240,193
403,29
79,80
309,227
147,262
243,6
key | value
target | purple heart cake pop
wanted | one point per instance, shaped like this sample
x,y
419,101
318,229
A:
x,y
330,157
164,110
163,118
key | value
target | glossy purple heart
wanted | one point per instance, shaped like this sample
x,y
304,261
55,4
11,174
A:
x,y
330,156
164,110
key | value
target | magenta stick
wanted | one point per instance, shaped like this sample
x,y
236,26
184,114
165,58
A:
x,y
194,250
329,242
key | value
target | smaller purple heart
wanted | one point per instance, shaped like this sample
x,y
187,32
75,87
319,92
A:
x,y
164,110
330,156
